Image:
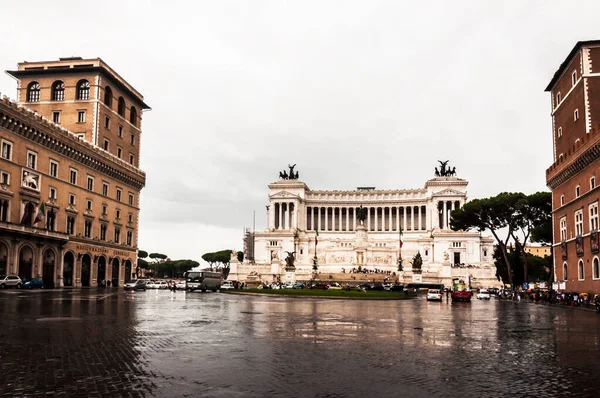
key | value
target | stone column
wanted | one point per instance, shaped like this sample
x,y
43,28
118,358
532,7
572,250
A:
x,y
443,226
94,271
354,218
398,218
268,218
36,269
377,219
391,220
404,217
77,270
420,218
319,218
327,219
368,218
427,218
60,265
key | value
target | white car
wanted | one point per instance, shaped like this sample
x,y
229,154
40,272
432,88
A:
x,y
152,285
227,285
434,294
180,285
335,286
483,295
288,286
163,285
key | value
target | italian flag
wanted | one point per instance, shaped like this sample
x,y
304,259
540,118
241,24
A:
x,y
400,238
316,237
41,215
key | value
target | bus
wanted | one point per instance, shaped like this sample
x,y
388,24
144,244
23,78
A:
x,y
202,280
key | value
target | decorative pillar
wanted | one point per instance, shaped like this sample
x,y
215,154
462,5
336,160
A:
x,y
319,218
354,218
295,217
427,218
420,218
398,218
368,218
404,216
268,217
377,219
443,226
327,219
391,221
77,270
60,267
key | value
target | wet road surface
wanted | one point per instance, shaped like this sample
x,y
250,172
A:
x,y
158,343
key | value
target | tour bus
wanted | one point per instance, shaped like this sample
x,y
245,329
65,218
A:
x,y
202,280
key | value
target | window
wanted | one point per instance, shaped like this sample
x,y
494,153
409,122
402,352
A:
x,y
131,159
5,178
558,98
52,195
596,268
53,168
72,199
56,117
33,92
102,231
58,91
121,107
81,136
51,220
107,123
576,115
129,238
592,183
108,96
7,150
3,210
104,210
73,176
565,271
559,132
130,218
89,205
132,139
563,229
118,194
83,90
574,78
80,116
577,191
106,143
90,183
593,216
118,214
562,200
119,152
31,159
130,199
120,131
117,234
580,273
105,189
133,116
87,232
71,225
579,223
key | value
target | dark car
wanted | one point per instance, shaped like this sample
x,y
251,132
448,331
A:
x,y
35,283
139,284
397,288
378,286
365,286
323,286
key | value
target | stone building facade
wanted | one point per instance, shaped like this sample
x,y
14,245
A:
x,y
295,213
69,204
574,175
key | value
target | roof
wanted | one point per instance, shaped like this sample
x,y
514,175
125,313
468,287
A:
x,y
567,60
78,65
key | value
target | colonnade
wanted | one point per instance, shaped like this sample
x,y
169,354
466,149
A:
x,y
282,215
387,218
444,209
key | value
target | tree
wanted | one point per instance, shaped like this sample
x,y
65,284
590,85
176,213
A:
x,y
493,214
240,256
209,258
142,254
417,262
158,257
532,212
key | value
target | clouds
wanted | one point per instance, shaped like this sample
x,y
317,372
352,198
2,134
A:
x,y
354,92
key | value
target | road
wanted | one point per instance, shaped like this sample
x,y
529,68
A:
x,y
159,343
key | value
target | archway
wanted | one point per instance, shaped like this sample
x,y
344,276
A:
x,y
49,261
86,269
3,259
68,262
128,271
101,275
25,263
115,272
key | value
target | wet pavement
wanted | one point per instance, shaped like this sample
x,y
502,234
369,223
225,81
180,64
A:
x,y
158,343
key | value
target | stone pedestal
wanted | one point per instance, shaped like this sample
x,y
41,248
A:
x,y
276,267
290,274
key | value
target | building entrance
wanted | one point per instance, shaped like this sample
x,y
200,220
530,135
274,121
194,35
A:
x,y
3,259
101,276
48,269
68,262
86,269
115,272
127,271
25,263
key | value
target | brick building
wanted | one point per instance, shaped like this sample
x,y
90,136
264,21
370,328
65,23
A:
x,y
575,173
70,150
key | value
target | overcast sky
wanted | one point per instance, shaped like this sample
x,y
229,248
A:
x,y
354,92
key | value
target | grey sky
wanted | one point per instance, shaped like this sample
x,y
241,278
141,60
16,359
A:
x,y
353,92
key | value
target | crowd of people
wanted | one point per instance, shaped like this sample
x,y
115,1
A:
x,y
360,270
572,299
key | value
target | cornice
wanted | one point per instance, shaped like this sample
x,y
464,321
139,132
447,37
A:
x,y
33,127
583,160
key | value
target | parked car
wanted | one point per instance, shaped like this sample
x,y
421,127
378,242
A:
x,y
322,286
299,285
288,286
163,285
139,284
483,295
434,294
397,288
152,285
365,286
227,285
10,281
335,286
180,285
35,283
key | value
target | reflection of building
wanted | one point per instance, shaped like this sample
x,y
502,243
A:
x,y
70,181
574,176
296,212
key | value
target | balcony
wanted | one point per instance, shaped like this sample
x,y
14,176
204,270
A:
x,y
30,232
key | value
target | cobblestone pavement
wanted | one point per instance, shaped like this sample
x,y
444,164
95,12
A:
x,y
157,343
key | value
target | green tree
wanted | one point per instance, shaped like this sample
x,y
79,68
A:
x,y
417,262
240,256
142,254
209,258
495,214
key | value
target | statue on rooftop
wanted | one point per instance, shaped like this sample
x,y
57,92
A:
x,y
361,214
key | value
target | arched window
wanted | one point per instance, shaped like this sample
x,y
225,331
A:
x,y
108,96
58,91
28,214
133,116
83,90
565,271
580,273
33,92
121,109
596,268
